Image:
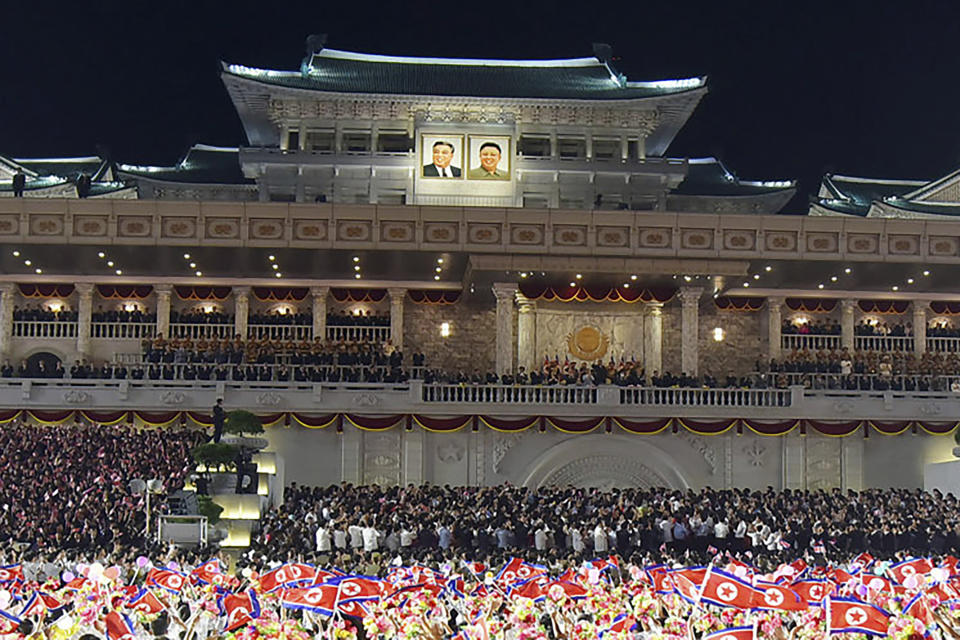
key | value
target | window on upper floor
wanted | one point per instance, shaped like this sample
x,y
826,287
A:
x,y
293,139
534,146
394,142
319,140
571,148
356,141
606,148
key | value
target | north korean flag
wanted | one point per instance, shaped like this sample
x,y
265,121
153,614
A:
x,y
321,598
621,624
518,570
878,584
210,572
8,622
916,566
119,627
353,608
34,607
727,590
240,609
11,572
572,590
813,591
321,576
778,597
863,561
951,564
167,579
919,608
289,575
732,633
144,601
535,589
848,615
685,587
357,588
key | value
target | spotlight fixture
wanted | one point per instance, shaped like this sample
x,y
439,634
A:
x,y
356,258
847,270
768,268
633,277
186,256
99,255
199,273
926,273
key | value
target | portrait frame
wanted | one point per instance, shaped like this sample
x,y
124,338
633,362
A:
x,y
428,169
475,170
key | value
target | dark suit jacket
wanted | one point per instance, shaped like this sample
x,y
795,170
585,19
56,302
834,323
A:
x,y
431,171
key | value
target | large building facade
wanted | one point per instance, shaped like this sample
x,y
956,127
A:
x,y
490,215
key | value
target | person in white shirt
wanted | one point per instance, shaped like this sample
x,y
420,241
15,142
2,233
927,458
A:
x,y
600,540
371,539
323,539
721,530
406,538
540,537
340,538
356,536
576,540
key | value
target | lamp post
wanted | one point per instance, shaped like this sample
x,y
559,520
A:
x,y
142,487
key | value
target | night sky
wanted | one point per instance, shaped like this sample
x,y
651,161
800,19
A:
x,y
796,89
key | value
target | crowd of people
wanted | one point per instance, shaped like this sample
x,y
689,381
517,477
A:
x,y
867,370
826,327
344,318
278,318
122,315
511,563
893,330
200,316
44,314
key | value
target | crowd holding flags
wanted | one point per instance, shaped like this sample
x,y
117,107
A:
x,y
727,600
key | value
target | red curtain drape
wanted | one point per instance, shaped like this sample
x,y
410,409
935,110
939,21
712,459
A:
x,y
358,295
112,291
945,307
645,427
203,293
884,306
509,426
582,293
46,290
575,426
429,296
443,424
280,294
738,303
811,305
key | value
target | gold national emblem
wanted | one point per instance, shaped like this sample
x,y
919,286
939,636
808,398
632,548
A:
x,y
587,343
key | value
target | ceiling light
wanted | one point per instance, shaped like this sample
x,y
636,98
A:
x,y
579,276
847,270
895,288
434,277
357,276
687,278
746,284
438,269
109,263
275,266
39,270
926,273
439,260
820,286
193,265
356,267
756,276
278,274
186,256
909,280
119,272
768,268
833,278
99,255
633,277
16,254
356,258
27,262
626,285
199,273
573,284
271,258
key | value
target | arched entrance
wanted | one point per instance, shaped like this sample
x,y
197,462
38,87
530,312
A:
x,y
49,363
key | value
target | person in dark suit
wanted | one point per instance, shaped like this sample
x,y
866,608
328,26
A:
x,y
442,158
19,183
219,417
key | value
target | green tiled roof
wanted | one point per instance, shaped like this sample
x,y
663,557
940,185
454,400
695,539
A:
x,y
203,164
576,78
854,195
709,177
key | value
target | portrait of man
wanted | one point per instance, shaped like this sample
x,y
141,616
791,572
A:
x,y
445,156
489,158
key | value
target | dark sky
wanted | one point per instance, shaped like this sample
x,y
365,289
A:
x,y
796,89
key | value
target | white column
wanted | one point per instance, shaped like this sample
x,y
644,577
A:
x,y
920,326
397,296
690,329
163,309
653,338
84,316
851,473
794,464
526,332
7,292
351,454
847,309
412,470
505,293
774,320
241,310
320,311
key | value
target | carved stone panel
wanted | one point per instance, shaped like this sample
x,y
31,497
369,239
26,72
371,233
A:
x,y
382,457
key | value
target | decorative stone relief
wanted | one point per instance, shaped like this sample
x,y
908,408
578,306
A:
x,y
930,409
381,457
755,453
823,463
366,399
173,397
700,445
605,472
502,443
268,399
451,452
75,397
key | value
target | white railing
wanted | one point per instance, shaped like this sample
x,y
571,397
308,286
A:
x,y
196,331
883,343
943,345
123,330
809,341
295,332
508,394
44,329
360,334
706,397
860,381
262,372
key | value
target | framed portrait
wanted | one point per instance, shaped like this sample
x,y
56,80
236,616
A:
x,y
489,158
441,157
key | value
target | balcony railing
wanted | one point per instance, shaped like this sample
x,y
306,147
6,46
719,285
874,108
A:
x,y
706,397
508,394
354,334
883,343
123,330
296,332
943,345
44,329
809,341
196,331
